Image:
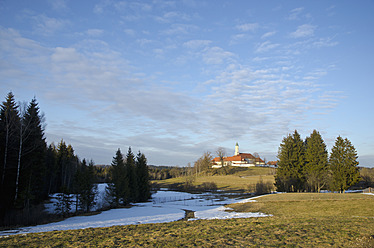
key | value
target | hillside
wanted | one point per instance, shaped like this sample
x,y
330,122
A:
x,y
237,179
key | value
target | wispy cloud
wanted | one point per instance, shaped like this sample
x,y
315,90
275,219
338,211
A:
x,y
216,55
195,44
295,13
266,46
325,42
176,29
45,25
305,30
248,27
94,32
59,5
173,16
144,41
268,34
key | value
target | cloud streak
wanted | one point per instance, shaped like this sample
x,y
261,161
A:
x,y
302,31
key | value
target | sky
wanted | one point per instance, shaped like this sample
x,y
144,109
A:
x,y
175,79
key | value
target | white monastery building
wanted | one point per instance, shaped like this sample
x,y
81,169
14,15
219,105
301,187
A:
x,y
239,159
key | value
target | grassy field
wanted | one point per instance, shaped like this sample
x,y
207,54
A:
x,y
299,220
239,179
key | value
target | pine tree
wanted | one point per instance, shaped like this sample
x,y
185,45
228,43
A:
x,y
131,176
343,164
118,188
316,158
291,156
144,191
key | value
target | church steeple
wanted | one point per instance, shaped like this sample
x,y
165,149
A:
x,y
236,149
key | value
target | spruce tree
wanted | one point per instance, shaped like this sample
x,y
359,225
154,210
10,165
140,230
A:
x,y
316,158
9,144
131,176
67,163
31,165
118,188
144,191
86,190
51,168
343,164
63,204
291,156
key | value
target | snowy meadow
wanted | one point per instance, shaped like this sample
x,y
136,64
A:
x,y
165,206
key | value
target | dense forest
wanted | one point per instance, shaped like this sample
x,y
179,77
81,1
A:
x,y
31,170
306,165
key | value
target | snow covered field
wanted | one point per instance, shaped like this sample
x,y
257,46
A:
x,y
165,206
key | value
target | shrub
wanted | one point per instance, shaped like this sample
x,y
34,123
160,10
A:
x,y
208,186
263,187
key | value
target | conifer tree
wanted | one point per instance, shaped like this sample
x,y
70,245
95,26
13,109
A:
x,y
131,176
67,163
118,188
51,168
9,143
316,158
31,171
63,204
144,191
291,156
343,164
84,184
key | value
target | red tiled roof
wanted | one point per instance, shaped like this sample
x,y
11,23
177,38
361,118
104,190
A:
x,y
272,162
239,157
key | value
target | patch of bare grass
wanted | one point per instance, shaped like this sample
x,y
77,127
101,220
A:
x,y
222,182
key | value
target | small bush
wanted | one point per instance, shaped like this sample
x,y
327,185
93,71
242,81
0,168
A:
x,y
208,186
263,187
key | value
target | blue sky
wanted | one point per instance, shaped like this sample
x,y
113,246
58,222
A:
x,y
174,79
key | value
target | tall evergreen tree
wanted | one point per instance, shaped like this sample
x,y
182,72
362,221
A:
x,y
9,143
85,188
67,163
52,169
118,188
291,156
316,157
343,164
144,190
31,165
131,176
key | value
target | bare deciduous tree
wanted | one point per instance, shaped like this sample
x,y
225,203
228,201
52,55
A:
x,y
221,153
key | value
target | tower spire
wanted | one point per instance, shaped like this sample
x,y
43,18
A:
x,y
236,149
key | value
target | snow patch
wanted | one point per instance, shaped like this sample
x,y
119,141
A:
x,y
165,206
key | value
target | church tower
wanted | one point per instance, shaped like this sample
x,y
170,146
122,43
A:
x,y
236,149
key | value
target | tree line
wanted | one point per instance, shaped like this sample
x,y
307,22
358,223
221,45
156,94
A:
x,y
129,179
307,166
31,170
